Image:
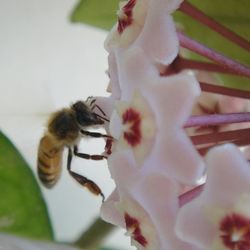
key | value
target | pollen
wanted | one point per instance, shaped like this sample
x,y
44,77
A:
x,y
235,232
131,121
133,228
125,16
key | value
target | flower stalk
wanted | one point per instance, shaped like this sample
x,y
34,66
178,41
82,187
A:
x,y
191,44
217,119
181,63
224,136
190,195
216,89
200,16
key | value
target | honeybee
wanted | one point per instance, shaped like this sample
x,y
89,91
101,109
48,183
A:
x,y
65,129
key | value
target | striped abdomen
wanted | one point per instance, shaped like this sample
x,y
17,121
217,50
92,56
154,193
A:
x,y
49,161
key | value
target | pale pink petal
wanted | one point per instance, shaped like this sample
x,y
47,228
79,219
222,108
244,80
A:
x,y
158,38
130,31
167,103
113,75
135,70
156,199
158,195
232,104
172,98
146,19
176,157
122,169
228,179
228,171
109,211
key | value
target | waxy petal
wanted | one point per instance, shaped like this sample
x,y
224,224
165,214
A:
x,y
113,75
109,211
139,21
228,182
164,46
167,105
149,200
135,70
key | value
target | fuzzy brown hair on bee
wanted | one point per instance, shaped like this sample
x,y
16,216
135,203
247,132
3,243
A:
x,y
65,129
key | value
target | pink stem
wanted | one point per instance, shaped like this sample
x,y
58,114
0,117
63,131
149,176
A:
x,y
182,63
200,49
190,195
217,119
221,136
224,90
200,16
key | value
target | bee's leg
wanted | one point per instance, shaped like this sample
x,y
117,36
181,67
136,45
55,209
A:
x,y
85,182
109,139
88,156
95,134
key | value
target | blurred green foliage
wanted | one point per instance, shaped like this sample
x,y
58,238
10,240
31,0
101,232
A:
x,y
22,208
98,13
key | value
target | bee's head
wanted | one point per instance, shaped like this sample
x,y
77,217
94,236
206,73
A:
x,y
85,116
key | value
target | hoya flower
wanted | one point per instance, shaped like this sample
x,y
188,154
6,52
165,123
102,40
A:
x,y
139,21
220,216
140,206
150,124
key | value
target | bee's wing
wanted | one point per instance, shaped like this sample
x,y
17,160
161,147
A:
x,y
49,161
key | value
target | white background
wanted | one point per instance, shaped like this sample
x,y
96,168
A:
x,y
45,64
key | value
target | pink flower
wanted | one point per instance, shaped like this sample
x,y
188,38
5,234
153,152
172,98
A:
x,y
220,216
150,124
139,21
141,207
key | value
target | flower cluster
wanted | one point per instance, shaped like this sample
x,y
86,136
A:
x,y
152,158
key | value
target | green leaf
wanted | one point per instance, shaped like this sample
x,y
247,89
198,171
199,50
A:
x,y
99,13
234,15
22,208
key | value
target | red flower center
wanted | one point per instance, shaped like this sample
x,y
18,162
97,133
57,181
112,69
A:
x,y
126,18
133,226
131,118
235,230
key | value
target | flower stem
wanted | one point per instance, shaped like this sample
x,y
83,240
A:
x,y
221,136
181,63
224,90
217,119
202,50
200,16
190,195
